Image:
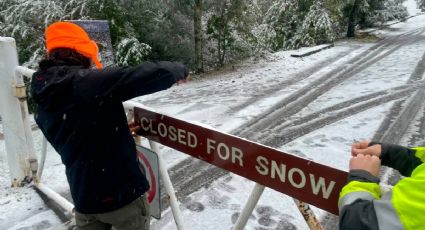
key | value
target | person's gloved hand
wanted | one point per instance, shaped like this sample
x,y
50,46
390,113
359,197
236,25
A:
x,y
180,72
183,73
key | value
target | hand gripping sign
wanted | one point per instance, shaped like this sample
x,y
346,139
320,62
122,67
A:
x,y
302,179
149,165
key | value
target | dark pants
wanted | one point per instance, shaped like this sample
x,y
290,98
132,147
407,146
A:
x,y
134,216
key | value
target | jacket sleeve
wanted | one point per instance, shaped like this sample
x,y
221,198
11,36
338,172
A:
x,y
126,83
405,160
356,201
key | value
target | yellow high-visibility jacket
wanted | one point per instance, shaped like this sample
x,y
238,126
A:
x,y
362,206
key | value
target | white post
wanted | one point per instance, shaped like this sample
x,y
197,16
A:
x,y
42,158
61,201
10,110
20,93
168,187
249,207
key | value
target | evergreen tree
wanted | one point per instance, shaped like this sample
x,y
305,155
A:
x,y
279,24
25,21
391,10
354,9
317,27
131,52
367,13
194,10
229,29
198,34
123,34
421,4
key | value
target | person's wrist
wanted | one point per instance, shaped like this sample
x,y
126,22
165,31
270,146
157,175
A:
x,y
373,143
362,175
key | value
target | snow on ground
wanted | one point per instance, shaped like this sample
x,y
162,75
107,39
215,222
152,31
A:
x,y
18,206
411,7
385,74
216,101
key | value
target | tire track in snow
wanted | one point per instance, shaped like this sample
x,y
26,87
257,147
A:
x,y
418,138
394,127
191,174
301,98
284,134
310,71
293,80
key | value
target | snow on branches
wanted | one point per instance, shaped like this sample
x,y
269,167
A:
x,y
317,27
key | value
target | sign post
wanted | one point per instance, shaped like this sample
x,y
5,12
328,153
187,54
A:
x,y
14,115
299,178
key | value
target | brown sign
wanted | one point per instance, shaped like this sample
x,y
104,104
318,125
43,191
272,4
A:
x,y
302,179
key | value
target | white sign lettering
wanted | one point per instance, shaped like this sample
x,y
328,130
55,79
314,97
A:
x,y
295,176
224,152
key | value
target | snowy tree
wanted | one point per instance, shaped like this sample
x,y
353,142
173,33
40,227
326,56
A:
x,y
367,13
353,10
198,8
391,10
317,27
25,21
421,4
279,24
166,26
229,29
194,10
131,52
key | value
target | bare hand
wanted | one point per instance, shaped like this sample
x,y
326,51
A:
x,y
133,128
368,163
188,78
362,147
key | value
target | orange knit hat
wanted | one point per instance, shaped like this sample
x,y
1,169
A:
x,y
70,35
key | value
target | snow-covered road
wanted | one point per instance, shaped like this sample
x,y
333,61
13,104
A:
x,y
313,107
324,111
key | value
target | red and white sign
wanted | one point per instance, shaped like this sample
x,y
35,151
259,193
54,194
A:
x,y
148,161
302,179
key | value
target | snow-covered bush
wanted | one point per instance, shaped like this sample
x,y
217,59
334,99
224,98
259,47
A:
x,y
317,27
392,10
130,52
25,21
278,26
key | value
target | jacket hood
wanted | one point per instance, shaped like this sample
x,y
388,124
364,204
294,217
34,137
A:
x,y
51,84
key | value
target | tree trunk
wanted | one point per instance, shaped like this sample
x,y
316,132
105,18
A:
x,y
198,33
219,45
224,45
352,20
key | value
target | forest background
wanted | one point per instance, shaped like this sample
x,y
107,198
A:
x,y
203,34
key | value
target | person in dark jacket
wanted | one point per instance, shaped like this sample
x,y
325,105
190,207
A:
x,y
80,111
363,205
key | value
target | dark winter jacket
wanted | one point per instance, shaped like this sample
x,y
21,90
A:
x,y
362,206
81,114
